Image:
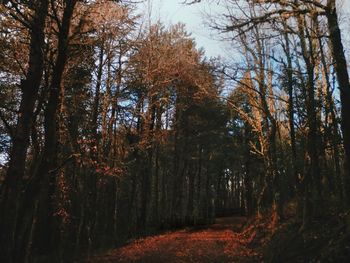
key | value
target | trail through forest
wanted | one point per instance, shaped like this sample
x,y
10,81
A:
x,y
114,125
221,242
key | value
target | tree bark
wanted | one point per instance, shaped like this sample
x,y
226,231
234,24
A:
x,y
311,157
43,187
340,66
15,174
291,109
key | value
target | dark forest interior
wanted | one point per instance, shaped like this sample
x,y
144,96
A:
x,y
113,127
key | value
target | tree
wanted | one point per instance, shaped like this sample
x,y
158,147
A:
x,y
300,19
29,86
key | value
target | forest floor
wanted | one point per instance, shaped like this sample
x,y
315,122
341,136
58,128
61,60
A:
x,y
239,239
224,241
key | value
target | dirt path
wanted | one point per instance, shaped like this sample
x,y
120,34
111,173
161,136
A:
x,y
220,242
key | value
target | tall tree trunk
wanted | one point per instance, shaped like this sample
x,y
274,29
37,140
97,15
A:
x,y
344,87
312,166
330,110
96,104
45,180
291,109
14,178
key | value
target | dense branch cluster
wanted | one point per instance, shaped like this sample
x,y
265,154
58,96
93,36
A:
x,y
109,129
286,103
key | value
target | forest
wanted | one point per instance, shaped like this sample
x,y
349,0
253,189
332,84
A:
x,y
115,127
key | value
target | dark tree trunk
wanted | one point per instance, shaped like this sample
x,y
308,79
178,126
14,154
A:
x,y
311,159
344,87
190,194
43,187
291,111
14,178
333,134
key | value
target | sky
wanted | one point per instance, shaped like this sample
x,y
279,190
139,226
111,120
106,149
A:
x,y
173,11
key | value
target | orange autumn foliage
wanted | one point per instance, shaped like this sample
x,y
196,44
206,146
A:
x,y
221,242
